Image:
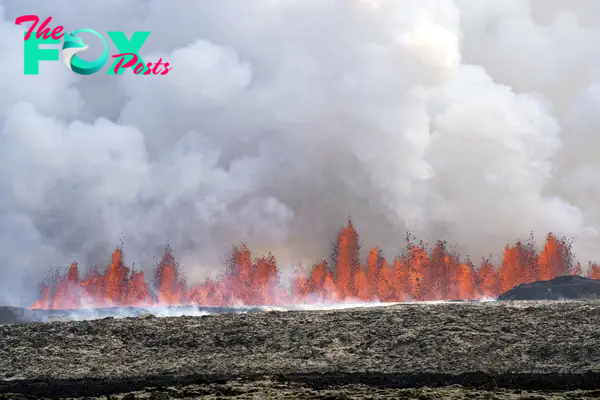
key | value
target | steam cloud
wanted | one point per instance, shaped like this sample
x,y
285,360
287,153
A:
x,y
471,121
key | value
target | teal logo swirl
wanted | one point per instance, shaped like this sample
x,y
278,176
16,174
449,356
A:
x,y
73,45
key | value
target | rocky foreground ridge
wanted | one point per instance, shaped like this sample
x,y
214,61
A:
x,y
490,346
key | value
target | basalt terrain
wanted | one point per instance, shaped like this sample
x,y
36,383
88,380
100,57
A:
x,y
567,287
448,350
18,315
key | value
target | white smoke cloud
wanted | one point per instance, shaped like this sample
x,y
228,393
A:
x,y
469,121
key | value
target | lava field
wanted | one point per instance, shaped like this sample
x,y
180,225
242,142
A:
x,y
418,274
492,350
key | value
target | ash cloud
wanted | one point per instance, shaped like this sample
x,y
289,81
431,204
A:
x,y
469,121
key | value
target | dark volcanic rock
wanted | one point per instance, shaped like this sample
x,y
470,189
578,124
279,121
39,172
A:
x,y
13,315
505,345
561,288
273,389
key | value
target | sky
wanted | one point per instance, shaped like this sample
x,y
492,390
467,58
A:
x,y
469,121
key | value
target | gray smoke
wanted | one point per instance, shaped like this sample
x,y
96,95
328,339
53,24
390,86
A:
x,y
471,121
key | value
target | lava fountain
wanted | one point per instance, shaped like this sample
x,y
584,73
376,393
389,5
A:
x,y
417,275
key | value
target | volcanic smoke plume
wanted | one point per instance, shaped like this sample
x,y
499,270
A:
x,y
416,275
473,122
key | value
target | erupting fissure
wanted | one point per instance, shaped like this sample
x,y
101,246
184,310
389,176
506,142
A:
x,y
417,275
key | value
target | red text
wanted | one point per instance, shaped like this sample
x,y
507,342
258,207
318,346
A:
x,y
139,68
43,30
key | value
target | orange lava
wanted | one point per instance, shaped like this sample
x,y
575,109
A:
x,y
417,275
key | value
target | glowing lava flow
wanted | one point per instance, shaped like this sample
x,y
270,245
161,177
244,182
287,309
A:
x,y
416,275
